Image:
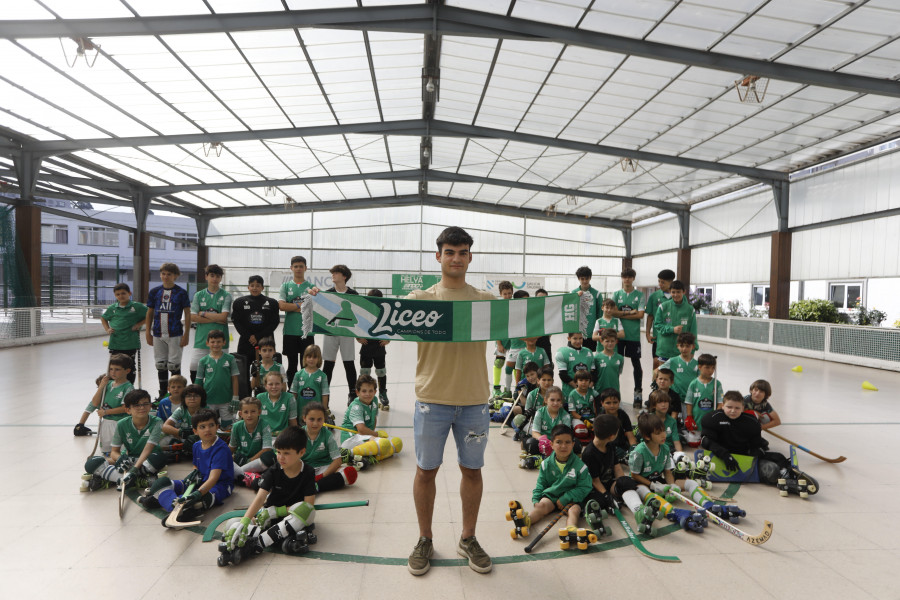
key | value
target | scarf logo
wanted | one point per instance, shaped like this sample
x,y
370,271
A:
x,y
391,320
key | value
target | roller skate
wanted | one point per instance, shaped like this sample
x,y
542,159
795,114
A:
x,y
235,556
530,461
700,472
594,516
727,512
506,394
645,515
790,483
580,537
82,430
383,402
329,416
92,483
520,519
803,479
688,519
299,543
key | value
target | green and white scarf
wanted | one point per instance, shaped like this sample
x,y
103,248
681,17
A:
x,y
399,319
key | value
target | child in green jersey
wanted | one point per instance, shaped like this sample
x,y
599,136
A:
x,y
180,427
545,419
562,480
607,321
323,452
279,407
584,275
683,366
311,383
362,414
608,363
651,460
673,317
704,394
581,405
531,353
572,358
530,370
290,300
658,404
210,308
135,454
218,374
250,444
267,362
123,320
108,400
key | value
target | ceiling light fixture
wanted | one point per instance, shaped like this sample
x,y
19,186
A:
x,y
751,89
85,46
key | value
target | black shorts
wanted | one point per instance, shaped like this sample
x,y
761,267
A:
x,y
589,343
296,344
629,348
653,350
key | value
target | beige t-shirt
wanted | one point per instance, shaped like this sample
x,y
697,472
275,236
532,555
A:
x,y
452,372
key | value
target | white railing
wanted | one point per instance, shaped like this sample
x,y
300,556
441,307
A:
x,y
876,347
25,326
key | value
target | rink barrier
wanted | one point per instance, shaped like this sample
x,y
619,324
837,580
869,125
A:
x,y
876,347
37,325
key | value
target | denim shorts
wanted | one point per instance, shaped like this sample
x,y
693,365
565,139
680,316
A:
x,y
432,423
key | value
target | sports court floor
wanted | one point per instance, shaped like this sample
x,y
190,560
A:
x,y
841,543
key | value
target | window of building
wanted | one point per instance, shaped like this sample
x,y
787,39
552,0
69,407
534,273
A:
x,y
187,237
156,243
97,236
760,295
705,291
845,295
55,234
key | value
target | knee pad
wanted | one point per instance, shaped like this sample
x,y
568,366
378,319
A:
x,y
508,370
397,444
499,361
365,370
156,460
94,463
531,446
268,458
161,365
159,485
174,368
381,372
625,484
769,471
518,421
304,512
385,449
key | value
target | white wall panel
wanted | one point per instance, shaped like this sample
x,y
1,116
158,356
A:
x,y
848,251
882,293
864,187
485,241
653,238
746,216
648,267
479,220
732,263
368,216
374,238
275,221
278,239
569,264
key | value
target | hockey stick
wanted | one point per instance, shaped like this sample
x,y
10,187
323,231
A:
x,y
504,426
122,500
753,540
839,459
633,538
353,431
233,514
99,425
139,367
549,526
172,521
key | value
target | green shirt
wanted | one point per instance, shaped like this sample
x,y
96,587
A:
x,y
615,324
543,423
703,398
572,361
182,418
217,303
583,405
685,373
276,367
669,316
321,451
134,439
359,413
309,387
293,292
534,399
249,443
643,462
633,300
113,398
608,369
121,319
277,414
516,343
653,302
538,356
215,375
593,311
671,426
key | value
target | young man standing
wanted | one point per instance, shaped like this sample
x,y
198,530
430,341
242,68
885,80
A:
x,y
451,390
584,275
629,307
290,301
255,317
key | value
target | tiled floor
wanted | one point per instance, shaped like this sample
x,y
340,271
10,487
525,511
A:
x,y
842,543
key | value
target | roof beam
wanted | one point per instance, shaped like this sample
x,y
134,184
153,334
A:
x,y
463,177
411,127
416,200
234,185
444,20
